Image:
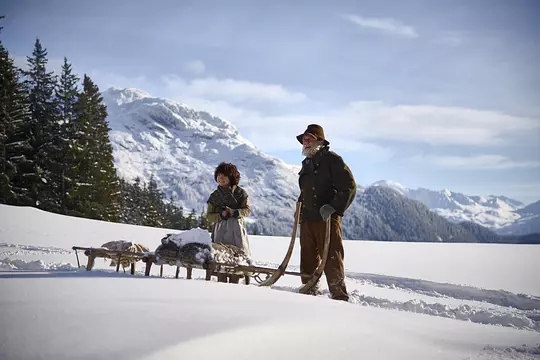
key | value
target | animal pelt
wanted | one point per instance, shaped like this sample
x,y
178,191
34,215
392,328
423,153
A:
x,y
197,254
122,245
230,254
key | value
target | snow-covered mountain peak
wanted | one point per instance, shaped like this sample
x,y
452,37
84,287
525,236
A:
x,y
180,147
392,185
126,95
491,211
127,107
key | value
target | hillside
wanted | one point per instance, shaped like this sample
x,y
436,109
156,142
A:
x,y
383,214
527,224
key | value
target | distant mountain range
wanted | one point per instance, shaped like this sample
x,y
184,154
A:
x,y
180,147
498,213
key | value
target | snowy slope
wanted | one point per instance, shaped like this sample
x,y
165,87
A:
x,y
461,302
181,147
493,212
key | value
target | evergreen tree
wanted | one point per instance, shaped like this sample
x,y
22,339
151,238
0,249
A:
x,y
203,221
66,95
191,221
44,130
175,216
96,191
154,209
14,144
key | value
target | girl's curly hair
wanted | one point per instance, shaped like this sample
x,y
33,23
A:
x,y
229,170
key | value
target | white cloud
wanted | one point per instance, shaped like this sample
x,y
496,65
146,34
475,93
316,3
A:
x,y
371,121
195,67
435,125
386,25
232,90
480,162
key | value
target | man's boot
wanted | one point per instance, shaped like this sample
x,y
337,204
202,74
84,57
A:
x,y
338,291
315,290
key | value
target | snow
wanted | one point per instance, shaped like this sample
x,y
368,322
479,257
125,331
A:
x,y
196,235
392,185
408,301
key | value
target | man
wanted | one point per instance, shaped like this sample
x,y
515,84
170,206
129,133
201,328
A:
x,y
327,189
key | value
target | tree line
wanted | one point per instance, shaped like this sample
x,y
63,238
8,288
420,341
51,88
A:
x,y
55,151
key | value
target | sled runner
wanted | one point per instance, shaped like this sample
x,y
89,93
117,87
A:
x,y
213,257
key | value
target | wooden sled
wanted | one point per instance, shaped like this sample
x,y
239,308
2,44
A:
x,y
117,255
214,268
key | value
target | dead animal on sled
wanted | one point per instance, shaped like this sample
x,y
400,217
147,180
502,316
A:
x,y
120,252
127,246
194,249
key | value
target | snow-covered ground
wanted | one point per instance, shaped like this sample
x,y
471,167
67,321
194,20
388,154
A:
x,y
408,301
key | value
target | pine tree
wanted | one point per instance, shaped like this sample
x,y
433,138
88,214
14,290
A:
x,y
203,221
44,130
153,211
66,95
96,192
175,216
14,145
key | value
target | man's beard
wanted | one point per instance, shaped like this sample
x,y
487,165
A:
x,y
310,151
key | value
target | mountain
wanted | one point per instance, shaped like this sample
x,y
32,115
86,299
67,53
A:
x,y
527,224
493,212
180,147
383,214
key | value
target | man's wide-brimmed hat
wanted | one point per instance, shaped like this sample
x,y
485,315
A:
x,y
314,130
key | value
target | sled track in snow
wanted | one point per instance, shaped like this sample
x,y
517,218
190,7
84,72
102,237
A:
x,y
483,306
464,292
16,249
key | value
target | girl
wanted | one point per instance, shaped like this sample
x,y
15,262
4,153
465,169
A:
x,y
228,206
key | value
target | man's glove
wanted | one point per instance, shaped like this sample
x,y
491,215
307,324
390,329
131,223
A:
x,y
326,211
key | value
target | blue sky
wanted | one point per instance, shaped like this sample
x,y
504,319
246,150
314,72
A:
x,y
437,94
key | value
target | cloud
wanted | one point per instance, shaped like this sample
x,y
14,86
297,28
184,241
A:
x,y
195,67
437,126
387,25
236,91
480,162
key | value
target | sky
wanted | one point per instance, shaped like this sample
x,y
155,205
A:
x,y
436,94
